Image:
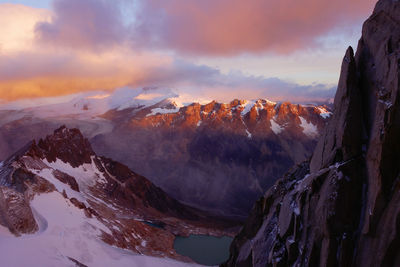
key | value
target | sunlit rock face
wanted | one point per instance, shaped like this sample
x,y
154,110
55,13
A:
x,y
214,156
341,208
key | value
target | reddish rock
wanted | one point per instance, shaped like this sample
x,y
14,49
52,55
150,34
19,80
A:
x,y
66,179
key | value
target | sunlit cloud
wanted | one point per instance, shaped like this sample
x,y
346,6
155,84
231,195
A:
x,y
88,45
17,26
100,96
227,27
83,24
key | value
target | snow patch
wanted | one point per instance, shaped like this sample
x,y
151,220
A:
x,y
85,175
248,134
309,129
275,127
258,104
156,111
247,107
324,113
60,186
4,232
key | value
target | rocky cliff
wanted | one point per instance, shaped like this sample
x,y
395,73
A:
x,y
342,207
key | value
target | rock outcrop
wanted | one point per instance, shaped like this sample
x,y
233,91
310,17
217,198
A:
x,y
342,207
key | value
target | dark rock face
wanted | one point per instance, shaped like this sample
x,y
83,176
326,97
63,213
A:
x,y
68,145
135,191
341,209
66,179
17,187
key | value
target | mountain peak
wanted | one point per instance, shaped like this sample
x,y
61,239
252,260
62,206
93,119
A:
x,y
68,145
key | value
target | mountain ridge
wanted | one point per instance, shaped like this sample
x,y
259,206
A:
x,y
120,207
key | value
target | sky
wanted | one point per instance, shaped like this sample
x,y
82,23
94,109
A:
x,y
283,50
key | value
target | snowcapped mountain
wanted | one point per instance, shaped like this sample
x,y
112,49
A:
x,y
237,146
153,99
69,206
96,103
241,146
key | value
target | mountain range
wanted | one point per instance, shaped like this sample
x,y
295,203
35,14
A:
x,y
232,152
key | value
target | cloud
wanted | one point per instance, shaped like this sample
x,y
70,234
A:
x,y
46,73
228,27
17,26
35,75
206,27
83,24
84,45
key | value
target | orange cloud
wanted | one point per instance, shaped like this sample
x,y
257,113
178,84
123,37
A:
x,y
38,74
83,46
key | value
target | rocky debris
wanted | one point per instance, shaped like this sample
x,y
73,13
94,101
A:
x,y
17,188
66,179
77,263
15,212
77,203
341,209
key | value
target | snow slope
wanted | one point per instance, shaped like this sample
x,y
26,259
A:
x,y
68,234
309,129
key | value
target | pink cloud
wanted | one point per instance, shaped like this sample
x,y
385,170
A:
x,y
206,27
33,75
199,27
83,24
227,27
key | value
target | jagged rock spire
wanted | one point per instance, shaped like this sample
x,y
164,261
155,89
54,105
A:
x,y
345,211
